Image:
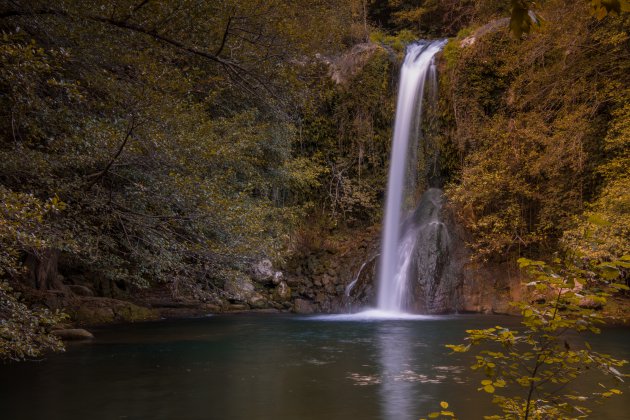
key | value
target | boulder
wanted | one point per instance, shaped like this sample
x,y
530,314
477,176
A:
x,y
301,306
239,287
96,311
257,301
277,278
262,271
128,312
94,315
282,292
73,334
212,307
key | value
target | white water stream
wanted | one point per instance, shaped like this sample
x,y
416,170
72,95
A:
x,y
418,71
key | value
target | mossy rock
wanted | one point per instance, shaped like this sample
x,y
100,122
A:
x,y
135,313
88,315
95,311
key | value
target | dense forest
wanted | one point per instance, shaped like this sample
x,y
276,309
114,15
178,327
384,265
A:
x,y
166,147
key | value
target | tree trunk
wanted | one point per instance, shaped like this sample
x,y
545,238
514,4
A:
x,y
42,268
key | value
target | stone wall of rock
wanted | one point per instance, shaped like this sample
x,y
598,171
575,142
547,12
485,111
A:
x,y
319,280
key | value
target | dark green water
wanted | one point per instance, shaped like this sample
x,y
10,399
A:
x,y
265,367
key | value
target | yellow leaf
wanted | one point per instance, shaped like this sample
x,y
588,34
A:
x,y
489,389
444,404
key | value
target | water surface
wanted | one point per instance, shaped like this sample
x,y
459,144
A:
x,y
265,367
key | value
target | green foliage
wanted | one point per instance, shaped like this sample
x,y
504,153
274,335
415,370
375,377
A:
x,y
25,332
23,226
539,128
346,132
425,18
398,42
523,18
601,8
528,371
168,128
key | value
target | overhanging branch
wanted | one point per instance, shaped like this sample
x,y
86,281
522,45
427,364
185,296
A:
x,y
233,69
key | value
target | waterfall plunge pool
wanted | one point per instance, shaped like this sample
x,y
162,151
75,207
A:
x,y
279,367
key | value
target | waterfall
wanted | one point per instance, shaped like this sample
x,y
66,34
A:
x,y
418,70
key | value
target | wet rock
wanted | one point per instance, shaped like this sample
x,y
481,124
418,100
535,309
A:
x,y
266,311
277,278
282,292
257,301
73,334
435,268
262,271
212,308
277,305
301,306
237,307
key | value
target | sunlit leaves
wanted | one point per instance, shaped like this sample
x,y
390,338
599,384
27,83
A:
x,y
522,18
529,150
542,357
601,8
442,414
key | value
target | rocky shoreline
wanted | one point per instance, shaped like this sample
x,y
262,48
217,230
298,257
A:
x,y
333,275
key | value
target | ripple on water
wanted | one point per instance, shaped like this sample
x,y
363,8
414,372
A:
x,y
375,315
411,376
363,380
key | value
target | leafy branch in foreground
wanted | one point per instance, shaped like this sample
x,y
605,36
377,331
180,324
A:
x,y
444,413
24,332
529,372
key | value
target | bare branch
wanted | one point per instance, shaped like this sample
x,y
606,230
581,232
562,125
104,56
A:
x,y
132,125
225,36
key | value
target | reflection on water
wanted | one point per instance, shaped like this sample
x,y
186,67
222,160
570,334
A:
x,y
264,368
395,354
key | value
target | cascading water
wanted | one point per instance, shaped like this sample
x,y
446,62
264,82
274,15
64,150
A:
x,y
418,71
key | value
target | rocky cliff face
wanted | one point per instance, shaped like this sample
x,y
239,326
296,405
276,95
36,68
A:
x,y
343,278
323,276
436,270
